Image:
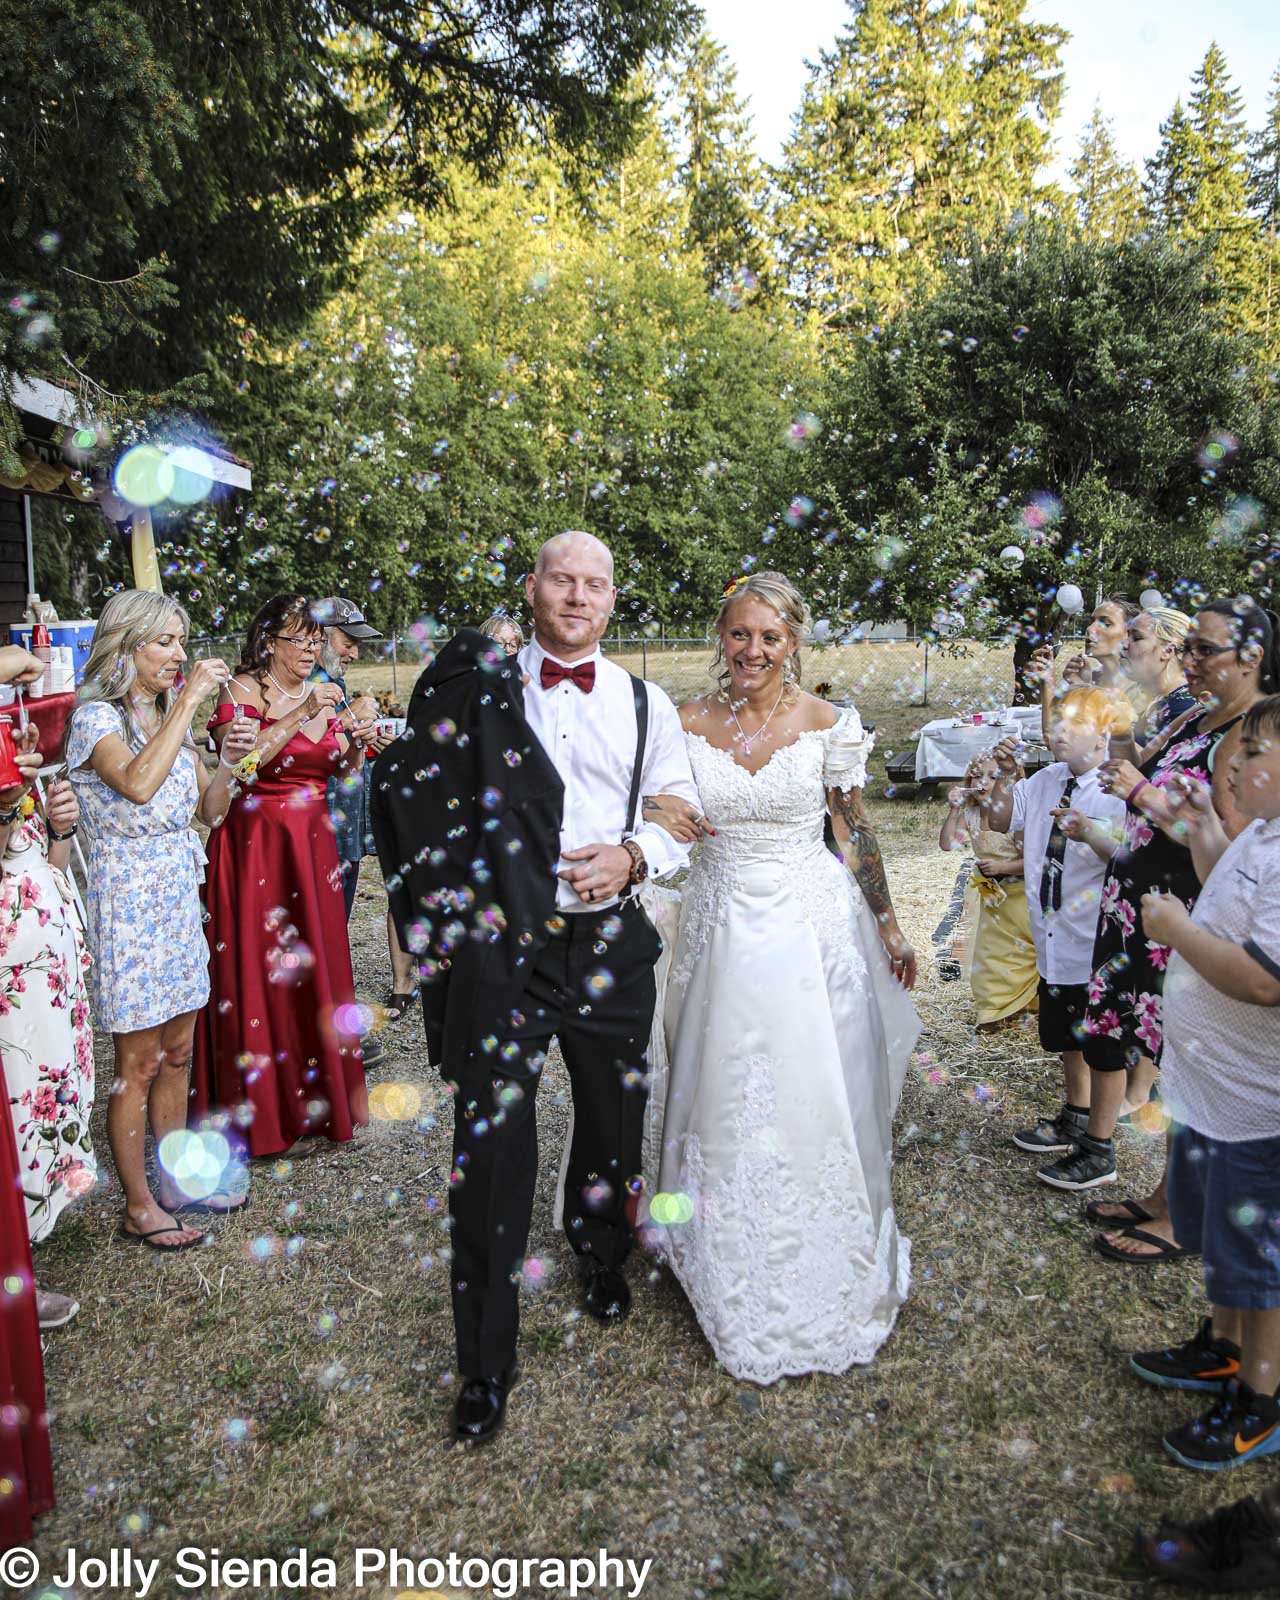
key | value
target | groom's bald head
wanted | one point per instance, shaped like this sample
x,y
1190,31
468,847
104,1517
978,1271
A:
x,y
577,546
571,594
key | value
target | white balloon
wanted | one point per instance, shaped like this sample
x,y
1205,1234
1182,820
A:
x,y
1149,599
1012,553
821,629
1070,599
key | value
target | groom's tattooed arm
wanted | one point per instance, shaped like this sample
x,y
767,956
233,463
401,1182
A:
x,y
866,861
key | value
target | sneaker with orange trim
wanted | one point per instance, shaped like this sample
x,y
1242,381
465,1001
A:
x,y
1240,1426
1202,1363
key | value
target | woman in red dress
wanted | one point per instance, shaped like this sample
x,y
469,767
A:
x,y
278,1045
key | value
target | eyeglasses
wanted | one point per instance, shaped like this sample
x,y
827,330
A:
x,y
299,641
1202,651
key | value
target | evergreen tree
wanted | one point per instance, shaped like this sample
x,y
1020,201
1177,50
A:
x,y
1054,396
1197,182
724,180
926,123
1171,174
1108,195
1264,204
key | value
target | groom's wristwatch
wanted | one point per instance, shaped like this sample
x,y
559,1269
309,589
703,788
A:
x,y
639,866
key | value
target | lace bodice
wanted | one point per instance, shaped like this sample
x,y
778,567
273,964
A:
x,y
790,789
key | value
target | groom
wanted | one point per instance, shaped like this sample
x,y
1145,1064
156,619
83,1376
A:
x,y
591,984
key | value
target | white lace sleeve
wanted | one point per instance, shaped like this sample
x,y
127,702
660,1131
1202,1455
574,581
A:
x,y
848,747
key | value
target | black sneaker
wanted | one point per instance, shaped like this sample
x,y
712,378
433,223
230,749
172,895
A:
x,y
1093,1161
1053,1136
1234,1548
1201,1362
1240,1426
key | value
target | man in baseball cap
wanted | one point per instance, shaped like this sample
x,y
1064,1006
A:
x,y
340,615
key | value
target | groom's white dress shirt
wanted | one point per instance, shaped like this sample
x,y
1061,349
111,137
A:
x,y
591,739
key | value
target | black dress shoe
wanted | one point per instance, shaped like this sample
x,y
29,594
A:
x,y
606,1295
482,1406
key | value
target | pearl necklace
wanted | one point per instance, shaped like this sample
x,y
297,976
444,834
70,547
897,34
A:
x,y
305,689
749,740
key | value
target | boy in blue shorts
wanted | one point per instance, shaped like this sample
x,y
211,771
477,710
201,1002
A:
x,y
1221,1078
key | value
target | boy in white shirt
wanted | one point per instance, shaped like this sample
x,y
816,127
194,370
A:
x,y
1064,889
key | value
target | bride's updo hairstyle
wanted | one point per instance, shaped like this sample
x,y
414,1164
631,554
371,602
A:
x,y
776,590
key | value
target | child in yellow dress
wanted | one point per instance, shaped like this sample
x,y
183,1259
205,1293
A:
x,y
1000,956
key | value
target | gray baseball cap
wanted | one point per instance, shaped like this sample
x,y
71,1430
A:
x,y
338,612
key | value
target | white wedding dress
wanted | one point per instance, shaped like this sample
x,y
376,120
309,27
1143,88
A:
x,y
788,1040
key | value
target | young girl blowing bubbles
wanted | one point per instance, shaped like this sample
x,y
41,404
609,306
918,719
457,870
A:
x,y
1000,956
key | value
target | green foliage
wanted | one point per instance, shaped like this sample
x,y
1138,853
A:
x,y
527,362
925,124
1078,400
227,155
1106,193
726,184
1196,182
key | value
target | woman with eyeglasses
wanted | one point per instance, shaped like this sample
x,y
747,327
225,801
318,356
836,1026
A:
x,y
1231,656
277,1053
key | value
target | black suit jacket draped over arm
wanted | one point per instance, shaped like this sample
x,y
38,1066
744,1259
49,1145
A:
x,y
467,809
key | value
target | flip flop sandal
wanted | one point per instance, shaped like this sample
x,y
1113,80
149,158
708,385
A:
x,y
395,1005
1165,1252
1094,1213
156,1233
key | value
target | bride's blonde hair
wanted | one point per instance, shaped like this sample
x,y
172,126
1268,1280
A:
x,y
776,590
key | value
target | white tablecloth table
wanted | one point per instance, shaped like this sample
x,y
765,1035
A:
x,y
945,749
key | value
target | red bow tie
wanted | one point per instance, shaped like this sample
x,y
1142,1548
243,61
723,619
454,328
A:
x,y
584,675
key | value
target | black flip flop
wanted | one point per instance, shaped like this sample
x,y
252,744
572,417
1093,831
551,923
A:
x,y
1137,1214
162,1249
1165,1252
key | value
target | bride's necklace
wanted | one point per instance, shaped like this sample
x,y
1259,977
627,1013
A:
x,y
749,739
288,694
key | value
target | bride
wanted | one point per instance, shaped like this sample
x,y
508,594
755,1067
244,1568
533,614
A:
x,y
788,1029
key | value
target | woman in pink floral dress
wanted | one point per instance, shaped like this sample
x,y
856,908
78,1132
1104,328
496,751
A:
x,y
45,1034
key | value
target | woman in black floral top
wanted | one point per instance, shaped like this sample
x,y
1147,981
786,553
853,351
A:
x,y
1232,659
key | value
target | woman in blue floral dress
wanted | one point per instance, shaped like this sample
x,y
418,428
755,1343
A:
x,y
140,780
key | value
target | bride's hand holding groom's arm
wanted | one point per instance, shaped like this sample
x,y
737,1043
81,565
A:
x,y
677,817
861,849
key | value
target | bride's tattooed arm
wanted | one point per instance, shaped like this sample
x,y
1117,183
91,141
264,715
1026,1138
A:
x,y
857,837
866,861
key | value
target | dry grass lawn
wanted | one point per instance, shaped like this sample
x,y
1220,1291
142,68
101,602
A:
x,y
289,1384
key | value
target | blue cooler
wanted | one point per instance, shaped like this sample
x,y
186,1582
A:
x,y
78,635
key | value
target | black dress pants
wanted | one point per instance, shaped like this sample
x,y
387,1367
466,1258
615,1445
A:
x,y
592,987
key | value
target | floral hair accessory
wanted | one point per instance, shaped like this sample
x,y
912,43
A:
x,y
734,584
